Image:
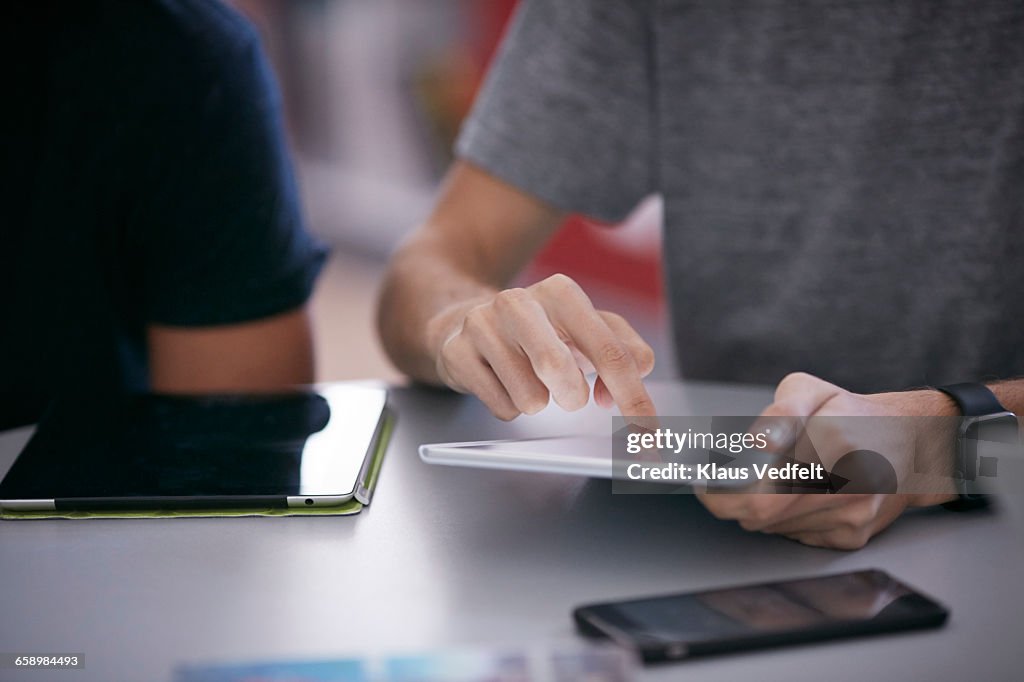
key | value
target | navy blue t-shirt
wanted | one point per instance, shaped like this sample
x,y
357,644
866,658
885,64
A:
x,y
145,180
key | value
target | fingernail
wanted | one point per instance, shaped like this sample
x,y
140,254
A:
x,y
779,434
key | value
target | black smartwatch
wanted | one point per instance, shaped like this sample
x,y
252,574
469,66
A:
x,y
985,421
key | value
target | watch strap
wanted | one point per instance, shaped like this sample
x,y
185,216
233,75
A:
x,y
974,400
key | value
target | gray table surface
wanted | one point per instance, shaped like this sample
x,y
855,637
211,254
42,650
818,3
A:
x,y
450,557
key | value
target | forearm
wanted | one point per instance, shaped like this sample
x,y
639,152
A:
x,y
1010,393
268,354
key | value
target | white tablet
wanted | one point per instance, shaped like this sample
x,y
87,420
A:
x,y
589,456
577,455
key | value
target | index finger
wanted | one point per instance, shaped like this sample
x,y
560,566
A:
x,y
610,356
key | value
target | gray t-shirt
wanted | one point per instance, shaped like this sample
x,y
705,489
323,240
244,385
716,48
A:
x,y
843,181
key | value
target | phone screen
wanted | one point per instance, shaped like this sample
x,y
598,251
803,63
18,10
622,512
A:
x,y
795,610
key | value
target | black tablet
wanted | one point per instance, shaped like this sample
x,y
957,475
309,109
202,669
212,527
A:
x,y
299,448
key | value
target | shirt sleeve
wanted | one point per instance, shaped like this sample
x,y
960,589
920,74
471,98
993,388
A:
x,y
565,113
219,229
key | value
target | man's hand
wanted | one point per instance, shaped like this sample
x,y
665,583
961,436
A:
x,y
846,521
518,348
447,317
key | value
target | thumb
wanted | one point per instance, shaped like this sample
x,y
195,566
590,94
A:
x,y
798,396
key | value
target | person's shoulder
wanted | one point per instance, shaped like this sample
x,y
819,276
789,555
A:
x,y
186,65
206,35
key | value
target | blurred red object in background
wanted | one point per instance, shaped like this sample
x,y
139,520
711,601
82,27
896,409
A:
x,y
625,257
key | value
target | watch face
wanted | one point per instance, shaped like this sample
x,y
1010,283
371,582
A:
x,y
994,428
986,440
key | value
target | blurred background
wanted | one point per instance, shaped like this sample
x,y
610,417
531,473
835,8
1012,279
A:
x,y
374,93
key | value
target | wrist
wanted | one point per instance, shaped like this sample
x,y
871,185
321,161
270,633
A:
x,y
934,416
937,447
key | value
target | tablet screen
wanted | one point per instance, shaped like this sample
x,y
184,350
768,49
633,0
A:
x,y
146,446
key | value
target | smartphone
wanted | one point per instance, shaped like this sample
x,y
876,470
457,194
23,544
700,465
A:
x,y
679,626
302,448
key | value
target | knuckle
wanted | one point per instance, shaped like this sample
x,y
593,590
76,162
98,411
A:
x,y
797,376
637,406
475,320
449,351
858,518
809,539
758,516
717,508
750,524
783,413
723,506
848,539
511,300
560,284
613,355
554,361
452,354
790,382
560,279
